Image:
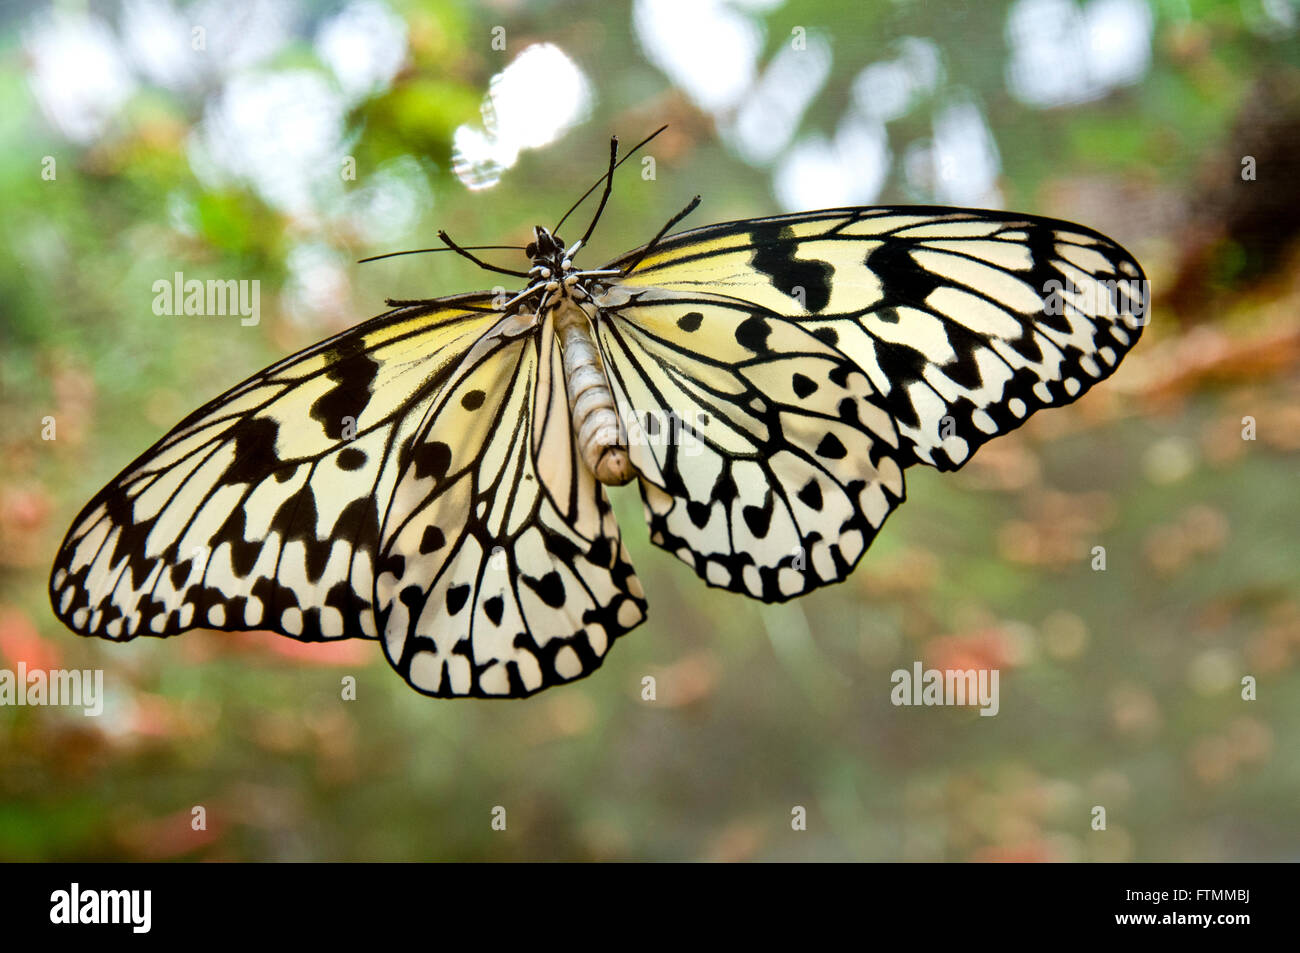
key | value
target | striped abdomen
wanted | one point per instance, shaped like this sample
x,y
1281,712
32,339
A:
x,y
595,421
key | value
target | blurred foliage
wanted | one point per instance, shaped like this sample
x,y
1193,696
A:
x,y
1119,688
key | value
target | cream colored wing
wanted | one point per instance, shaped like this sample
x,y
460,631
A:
x,y
371,485
502,571
766,460
262,509
965,321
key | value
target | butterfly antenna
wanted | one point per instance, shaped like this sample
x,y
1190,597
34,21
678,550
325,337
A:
x,y
608,175
478,261
609,187
662,232
421,251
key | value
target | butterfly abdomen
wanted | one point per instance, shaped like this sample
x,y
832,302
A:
x,y
596,424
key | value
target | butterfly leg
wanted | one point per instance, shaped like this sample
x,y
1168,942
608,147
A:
x,y
432,302
479,261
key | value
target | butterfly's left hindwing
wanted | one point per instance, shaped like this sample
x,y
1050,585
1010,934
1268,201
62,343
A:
x,y
766,461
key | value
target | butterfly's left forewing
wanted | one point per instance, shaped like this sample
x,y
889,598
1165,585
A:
x,y
965,321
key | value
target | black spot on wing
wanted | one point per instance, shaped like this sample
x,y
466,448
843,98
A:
x,y
827,336
276,598
351,459
831,448
724,488
254,455
562,549
179,573
902,366
752,333
456,597
431,460
358,523
775,248
1028,347
243,554
690,321
601,552
759,518
905,282
811,495
351,607
432,540
964,370
149,609
392,562
296,520
353,372
550,588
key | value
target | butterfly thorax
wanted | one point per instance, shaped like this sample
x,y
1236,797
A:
x,y
596,425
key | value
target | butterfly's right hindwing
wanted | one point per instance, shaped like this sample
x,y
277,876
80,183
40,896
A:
x,y
502,570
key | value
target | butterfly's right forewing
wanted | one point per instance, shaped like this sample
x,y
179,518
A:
x,y
262,509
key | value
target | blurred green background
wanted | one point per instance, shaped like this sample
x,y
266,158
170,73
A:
x,y
143,138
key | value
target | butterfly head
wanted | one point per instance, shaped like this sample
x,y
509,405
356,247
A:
x,y
547,250
553,271
552,268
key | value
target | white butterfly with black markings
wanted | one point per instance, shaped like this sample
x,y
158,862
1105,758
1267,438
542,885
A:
x,y
432,478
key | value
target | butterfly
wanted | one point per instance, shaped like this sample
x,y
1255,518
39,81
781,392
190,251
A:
x,y
433,478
